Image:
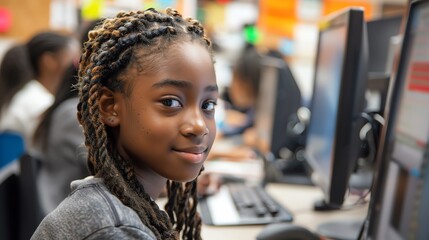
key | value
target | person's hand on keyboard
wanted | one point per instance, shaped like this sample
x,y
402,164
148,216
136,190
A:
x,y
208,184
238,153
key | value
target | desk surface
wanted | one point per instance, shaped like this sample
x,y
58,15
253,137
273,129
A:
x,y
299,200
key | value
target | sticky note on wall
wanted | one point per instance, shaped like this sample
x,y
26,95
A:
x,y
92,9
5,20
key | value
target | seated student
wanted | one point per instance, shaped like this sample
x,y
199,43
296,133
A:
x,y
49,55
57,140
147,92
235,114
238,102
15,72
243,95
63,157
243,92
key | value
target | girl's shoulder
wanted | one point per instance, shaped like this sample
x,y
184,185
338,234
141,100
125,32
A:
x,y
91,211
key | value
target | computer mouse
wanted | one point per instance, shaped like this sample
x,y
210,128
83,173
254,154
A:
x,y
285,231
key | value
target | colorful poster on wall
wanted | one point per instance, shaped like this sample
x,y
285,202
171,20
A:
x,y
278,17
330,6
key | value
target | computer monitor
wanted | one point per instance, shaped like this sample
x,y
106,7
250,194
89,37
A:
x,y
275,122
398,207
279,98
380,44
379,33
333,143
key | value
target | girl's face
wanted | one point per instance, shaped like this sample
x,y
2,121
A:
x,y
166,125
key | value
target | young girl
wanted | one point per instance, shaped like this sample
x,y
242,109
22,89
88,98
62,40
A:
x,y
147,96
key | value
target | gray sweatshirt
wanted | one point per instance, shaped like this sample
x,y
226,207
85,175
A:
x,y
62,161
92,212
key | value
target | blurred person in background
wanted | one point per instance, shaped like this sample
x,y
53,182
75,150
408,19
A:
x,y
63,156
56,141
235,112
49,54
242,94
15,72
242,97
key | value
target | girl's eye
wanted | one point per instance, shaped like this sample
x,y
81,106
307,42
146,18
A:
x,y
171,103
209,106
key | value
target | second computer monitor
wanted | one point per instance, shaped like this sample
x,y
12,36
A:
x,y
379,33
399,203
333,144
278,100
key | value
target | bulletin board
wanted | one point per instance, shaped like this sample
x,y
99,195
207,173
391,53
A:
x,y
28,17
369,6
278,16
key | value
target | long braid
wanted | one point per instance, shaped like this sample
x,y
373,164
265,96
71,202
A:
x,y
110,49
182,208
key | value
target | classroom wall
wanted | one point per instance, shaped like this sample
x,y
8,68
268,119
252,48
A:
x,y
28,17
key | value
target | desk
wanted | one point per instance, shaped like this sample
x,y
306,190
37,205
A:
x,y
299,200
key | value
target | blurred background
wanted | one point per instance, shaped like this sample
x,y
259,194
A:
x,y
289,26
243,33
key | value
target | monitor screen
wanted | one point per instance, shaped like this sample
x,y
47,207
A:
x,y
338,100
405,192
320,138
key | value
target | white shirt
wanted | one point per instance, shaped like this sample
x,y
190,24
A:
x,y
24,111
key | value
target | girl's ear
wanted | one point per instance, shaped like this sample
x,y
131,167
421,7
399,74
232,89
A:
x,y
109,107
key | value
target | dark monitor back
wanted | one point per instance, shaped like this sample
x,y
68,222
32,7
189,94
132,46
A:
x,y
382,38
379,33
279,98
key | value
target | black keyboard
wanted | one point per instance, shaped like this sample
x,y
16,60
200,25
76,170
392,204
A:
x,y
241,204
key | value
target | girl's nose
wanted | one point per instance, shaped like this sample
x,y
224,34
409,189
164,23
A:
x,y
194,124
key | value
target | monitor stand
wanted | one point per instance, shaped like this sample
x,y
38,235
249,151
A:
x,y
321,205
280,171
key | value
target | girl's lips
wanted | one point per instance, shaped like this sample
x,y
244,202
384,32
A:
x,y
193,155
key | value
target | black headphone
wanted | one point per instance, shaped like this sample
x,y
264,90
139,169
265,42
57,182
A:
x,y
369,135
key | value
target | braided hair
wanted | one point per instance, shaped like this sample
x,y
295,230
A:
x,y
112,46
